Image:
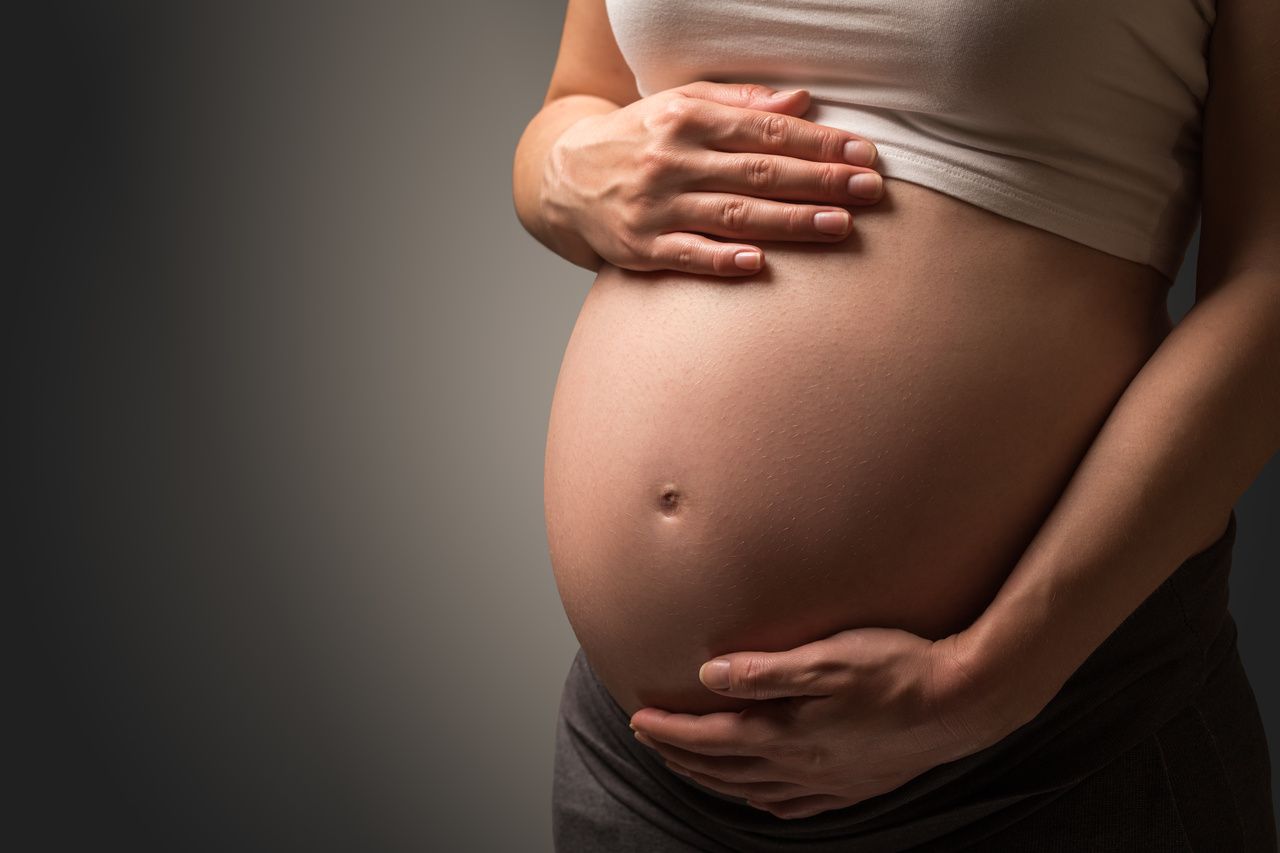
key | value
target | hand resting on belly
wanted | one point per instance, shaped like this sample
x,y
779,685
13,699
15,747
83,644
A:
x,y
842,454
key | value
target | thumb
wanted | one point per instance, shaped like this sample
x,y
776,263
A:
x,y
803,671
750,95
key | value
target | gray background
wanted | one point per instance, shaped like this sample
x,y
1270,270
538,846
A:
x,y
284,580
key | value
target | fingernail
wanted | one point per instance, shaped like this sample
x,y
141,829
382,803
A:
x,y
747,260
715,673
859,153
787,94
865,184
830,222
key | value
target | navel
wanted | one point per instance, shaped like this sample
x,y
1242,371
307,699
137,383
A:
x,y
669,500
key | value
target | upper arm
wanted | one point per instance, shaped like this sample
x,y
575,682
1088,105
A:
x,y
1240,171
589,61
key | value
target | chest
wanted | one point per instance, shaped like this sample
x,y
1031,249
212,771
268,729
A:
x,y
954,56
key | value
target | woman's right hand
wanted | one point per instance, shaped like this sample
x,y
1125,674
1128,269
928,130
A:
x,y
705,157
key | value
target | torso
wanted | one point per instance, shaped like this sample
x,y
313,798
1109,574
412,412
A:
x,y
866,433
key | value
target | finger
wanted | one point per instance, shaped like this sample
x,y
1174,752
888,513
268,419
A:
x,y
777,177
802,806
727,768
750,95
809,670
717,733
727,128
693,253
761,792
745,218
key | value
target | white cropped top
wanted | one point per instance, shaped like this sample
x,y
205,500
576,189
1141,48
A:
x,y
1080,117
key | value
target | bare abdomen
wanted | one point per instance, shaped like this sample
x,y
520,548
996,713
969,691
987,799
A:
x,y
864,434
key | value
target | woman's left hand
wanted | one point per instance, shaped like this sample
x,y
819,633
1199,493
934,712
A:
x,y
839,720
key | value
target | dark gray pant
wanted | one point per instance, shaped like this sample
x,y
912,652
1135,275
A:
x,y
1154,744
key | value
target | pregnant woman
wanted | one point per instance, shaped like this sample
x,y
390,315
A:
x,y
901,435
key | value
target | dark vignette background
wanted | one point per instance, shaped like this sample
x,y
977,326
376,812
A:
x,y
285,363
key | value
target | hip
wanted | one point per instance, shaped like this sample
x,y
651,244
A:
x,y
1155,743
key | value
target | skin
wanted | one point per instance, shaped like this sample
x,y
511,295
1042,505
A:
x,y
867,434
1188,436
637,181
829,723
581,161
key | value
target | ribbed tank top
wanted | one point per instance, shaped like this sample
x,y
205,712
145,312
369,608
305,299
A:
x,y
1080,117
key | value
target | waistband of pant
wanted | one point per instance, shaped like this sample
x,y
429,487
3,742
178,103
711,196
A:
x,y
1146,671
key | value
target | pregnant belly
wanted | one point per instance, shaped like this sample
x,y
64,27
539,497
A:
x,y
864,434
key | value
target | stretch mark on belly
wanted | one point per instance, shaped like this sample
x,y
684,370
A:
x,y
669,500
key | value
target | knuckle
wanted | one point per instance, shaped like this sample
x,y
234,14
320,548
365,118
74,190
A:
x,y
632,221
632,245
752,91
762,172
773,129
830,146
733,214
829,180
685,255
641,211
827,668
653,162
749,676
627,217
676,112
639,259
810,678
640,246
798,219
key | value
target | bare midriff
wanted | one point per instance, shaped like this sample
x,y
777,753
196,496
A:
x,y
866,433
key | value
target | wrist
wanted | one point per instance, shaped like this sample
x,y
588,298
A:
x,y
558,213
1006,684
530,174
984,687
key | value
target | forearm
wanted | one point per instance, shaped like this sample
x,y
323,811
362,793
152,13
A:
x,y
529,168
1190,433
